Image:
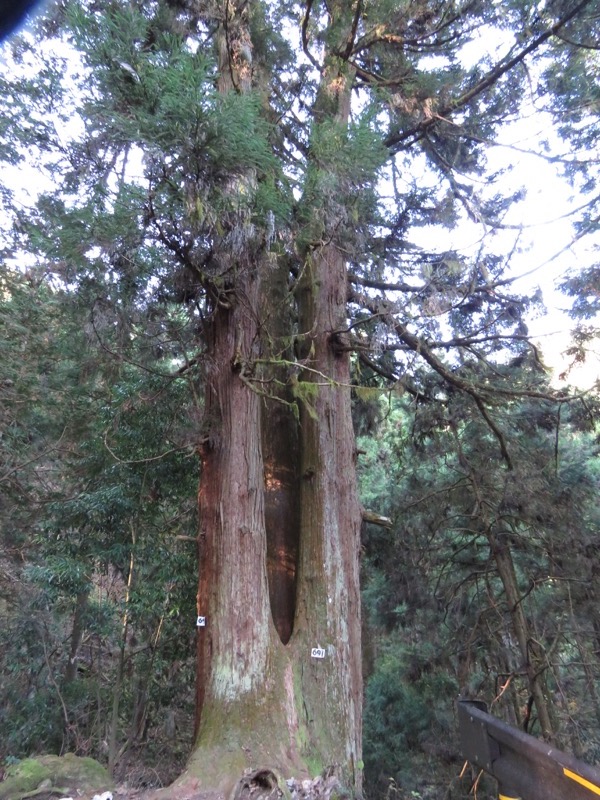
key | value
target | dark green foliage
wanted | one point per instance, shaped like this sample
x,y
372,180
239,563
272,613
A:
x,y
404,723
160,188
97,483
441,624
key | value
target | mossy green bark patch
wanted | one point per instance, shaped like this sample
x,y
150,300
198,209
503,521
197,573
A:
x,y
68,773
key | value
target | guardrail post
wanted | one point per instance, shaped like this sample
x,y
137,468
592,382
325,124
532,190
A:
x,y
526,768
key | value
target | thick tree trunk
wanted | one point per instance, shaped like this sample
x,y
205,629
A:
x,y
328,614
236,670
279,657
239,667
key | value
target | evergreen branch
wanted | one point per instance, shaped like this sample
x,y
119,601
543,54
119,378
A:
x,y
489,80
493,427
38,457
352,36
251,384
383,285
488,287
180,252
478,390
189,364
383,373
288,130
305,21
474,212
444,490
139,460
392,377
475,391
589,227
379,35
372,79
327,381
123,359
579,45
464,341
420,347
375,36
550,159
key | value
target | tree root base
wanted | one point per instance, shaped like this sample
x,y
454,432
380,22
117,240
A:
x,y
264,784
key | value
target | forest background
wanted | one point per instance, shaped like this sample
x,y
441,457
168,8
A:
x,y
478,469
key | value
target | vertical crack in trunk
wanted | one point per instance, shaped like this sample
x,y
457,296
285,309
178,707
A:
x,y
281,453
279,513
282,507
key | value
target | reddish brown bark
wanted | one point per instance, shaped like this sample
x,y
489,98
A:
x,y
329,595
232,593
279,513
232,547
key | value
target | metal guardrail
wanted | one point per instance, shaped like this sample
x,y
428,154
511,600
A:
x,y
526,768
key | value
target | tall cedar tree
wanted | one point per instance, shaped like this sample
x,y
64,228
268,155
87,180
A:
x,y
262,165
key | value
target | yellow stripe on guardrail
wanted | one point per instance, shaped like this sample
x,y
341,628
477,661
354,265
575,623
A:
x,y
575,777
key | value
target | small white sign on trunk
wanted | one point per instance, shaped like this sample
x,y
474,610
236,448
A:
x,y
201,622
317,652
